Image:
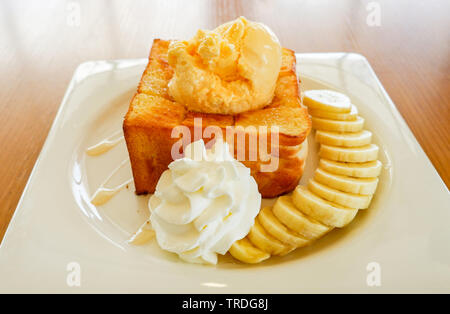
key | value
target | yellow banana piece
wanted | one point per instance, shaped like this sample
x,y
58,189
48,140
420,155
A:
x,y
356,139
244,251
267,243
327,100
364,186
326,212
368,169
346,199
338,126
279,231
349,154
344,182
350,116
285,210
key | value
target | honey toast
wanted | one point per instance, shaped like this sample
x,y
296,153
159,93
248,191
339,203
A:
x,y
153,115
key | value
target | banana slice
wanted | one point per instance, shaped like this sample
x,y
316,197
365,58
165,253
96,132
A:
x,y
349,154
350,116
279,231
344,139
285,210
338,126
364,186
326,212
327,100
349,200
244,251
264,241
368,169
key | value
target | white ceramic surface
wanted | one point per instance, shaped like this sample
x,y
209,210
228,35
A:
x,y
405,230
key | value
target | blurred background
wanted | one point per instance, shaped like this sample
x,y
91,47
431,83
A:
x,y
42,42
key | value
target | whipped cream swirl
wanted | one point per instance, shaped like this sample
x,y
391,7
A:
x,y
204,203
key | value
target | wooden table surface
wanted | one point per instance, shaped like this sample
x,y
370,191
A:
x,y
42,42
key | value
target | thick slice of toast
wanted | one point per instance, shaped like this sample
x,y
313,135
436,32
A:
x,y
293,127
149,119
284,179
152,116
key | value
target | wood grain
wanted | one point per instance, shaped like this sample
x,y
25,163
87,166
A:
x,y
41,43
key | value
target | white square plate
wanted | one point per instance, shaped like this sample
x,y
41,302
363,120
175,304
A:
x,y
406,229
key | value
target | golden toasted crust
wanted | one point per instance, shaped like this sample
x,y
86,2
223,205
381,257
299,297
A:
x,y
293,123
158,73
150,111
212,125
292,102
155,78
159,50
152,115
209,119
149,119
282,180
288,62
287,87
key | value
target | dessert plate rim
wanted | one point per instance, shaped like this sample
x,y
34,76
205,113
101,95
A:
x,y
33,259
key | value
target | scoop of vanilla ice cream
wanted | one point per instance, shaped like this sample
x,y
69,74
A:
x,y
231,69
204,203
